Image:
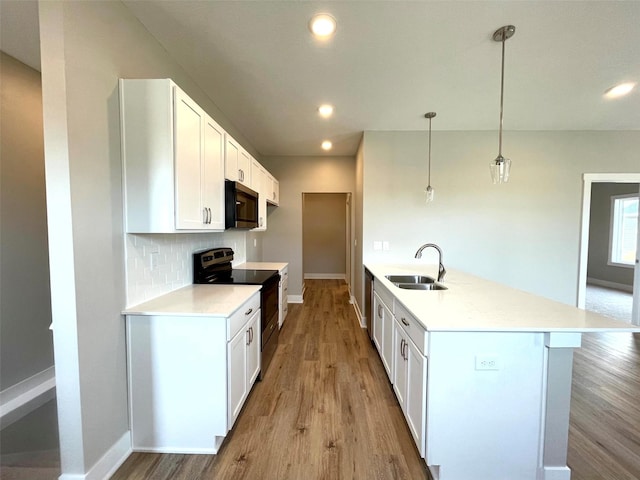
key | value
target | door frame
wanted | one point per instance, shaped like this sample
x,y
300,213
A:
x,y
588,180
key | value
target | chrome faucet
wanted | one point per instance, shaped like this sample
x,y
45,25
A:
x,y
441,269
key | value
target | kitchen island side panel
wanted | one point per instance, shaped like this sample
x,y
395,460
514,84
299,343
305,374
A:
x,y
485,404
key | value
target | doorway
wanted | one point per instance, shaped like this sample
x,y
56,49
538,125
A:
x,y
326,236
587,251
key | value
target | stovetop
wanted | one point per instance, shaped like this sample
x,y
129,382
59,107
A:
x,y
214,266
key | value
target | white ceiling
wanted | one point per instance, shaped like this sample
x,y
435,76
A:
x,y
392,61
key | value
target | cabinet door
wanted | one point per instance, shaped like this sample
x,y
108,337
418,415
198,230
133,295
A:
x,y
244,167
213,175
237,362
378,317
276,192
400,361
253,349
387,341
189,122
231,154
416,398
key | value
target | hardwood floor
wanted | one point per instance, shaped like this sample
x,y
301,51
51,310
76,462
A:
x,y
604,434
325,409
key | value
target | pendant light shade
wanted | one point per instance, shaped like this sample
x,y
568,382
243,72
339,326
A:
x,y
501,167
429,192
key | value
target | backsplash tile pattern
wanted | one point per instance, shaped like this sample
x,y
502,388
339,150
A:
x,y
173,262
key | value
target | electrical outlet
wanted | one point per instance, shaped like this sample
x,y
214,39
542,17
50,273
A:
x,y
487,362
377,245
385,246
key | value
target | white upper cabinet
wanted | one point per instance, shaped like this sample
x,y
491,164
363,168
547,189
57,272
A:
x,y
175,159
172,160
260,183
237,162
273,190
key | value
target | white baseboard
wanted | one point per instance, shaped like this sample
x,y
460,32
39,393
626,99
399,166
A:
x,y
356,308
24,397
104,468
325,276
607,284
294,299
557,473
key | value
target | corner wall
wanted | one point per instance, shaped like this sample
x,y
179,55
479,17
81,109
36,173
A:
x,y
26,346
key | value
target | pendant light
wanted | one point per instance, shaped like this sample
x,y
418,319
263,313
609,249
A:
x,y
501,166
429,190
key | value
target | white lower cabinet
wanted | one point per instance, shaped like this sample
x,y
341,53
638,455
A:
x,y
189,376
409,383
243,354
383,326
283,295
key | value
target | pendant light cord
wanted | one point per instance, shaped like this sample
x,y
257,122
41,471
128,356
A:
x,y
429,170
501,96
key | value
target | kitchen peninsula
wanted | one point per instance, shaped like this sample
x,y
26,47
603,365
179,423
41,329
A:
x,y
482,372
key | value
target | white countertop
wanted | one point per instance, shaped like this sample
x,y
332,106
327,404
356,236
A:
x,y
261,266
474,304
197,300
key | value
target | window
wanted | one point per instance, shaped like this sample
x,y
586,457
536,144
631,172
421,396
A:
x,y
624,228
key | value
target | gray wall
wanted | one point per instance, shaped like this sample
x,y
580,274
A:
x,y
26,346
282,242
599,231
525,233
86,47
324,233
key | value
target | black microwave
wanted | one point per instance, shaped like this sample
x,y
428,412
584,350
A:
x,y
241,206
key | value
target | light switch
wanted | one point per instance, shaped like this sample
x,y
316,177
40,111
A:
x,y
377,245
385,246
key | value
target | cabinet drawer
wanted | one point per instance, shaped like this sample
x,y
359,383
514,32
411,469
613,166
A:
x,y
242,315
385,295
413,328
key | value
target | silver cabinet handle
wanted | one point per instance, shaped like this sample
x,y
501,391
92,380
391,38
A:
x,y
208,215
248,337
248,312
380,311
404,321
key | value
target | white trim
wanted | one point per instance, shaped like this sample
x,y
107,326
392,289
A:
x,y
356,308
294,299
608,284
24,397
557,473
104,468
325,276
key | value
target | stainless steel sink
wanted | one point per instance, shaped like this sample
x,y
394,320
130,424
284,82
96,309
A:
x,y
421,286
419,279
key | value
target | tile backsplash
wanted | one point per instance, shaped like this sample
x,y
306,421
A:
x,y
159,263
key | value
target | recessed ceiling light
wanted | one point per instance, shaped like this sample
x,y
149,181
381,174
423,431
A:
x,y
327,145
619,90
322,25
325,110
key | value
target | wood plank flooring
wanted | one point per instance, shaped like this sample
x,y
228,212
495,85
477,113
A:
x,y
325,409
604,433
